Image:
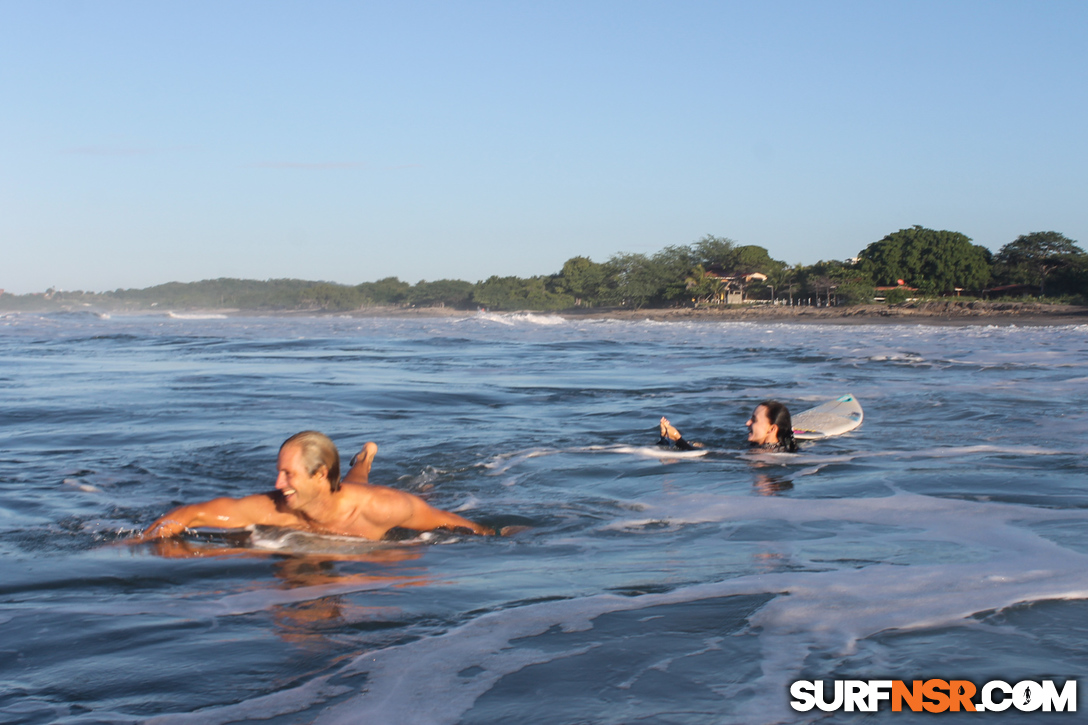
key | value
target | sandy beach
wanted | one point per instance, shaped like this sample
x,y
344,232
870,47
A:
x,y
913,313
937,312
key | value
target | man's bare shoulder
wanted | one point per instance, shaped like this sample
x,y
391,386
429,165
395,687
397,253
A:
x,y
257,508
386,507
379,502
369,494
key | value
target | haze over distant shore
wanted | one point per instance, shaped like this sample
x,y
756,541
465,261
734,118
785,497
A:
x,y
912,313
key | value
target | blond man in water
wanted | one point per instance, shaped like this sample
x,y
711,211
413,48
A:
x,y
311,496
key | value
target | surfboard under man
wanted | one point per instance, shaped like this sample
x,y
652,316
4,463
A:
x,y
311,496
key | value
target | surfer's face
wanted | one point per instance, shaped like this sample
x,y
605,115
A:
x,y
760,429
295,482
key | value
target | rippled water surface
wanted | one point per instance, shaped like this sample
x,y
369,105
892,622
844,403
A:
x,y
946,537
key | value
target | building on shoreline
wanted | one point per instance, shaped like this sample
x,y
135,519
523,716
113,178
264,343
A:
x,y
732,287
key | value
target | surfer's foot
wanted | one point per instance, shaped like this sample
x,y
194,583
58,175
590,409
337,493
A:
x,y
360,464
668,430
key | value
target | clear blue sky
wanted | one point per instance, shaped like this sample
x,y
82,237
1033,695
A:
x,y
146,142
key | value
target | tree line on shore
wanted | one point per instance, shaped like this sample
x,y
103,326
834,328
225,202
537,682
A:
x,y
915,262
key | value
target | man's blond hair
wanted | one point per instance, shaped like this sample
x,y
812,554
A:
x,y
318,450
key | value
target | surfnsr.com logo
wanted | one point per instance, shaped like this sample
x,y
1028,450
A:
x,y
934,696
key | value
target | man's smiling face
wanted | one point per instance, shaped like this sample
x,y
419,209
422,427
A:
x,y
295,482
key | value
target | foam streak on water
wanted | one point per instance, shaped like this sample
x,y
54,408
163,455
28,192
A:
x,y
947,537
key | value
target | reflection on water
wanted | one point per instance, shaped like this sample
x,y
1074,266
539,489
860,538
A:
x,y
311,622
771,485
947,536
311,619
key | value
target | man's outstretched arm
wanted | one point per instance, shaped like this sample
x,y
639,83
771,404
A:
x,y
426,517
389,508
219,513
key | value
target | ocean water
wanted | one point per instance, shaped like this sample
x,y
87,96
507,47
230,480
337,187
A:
x,y
946,537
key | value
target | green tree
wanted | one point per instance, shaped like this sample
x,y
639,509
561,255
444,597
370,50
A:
x,y
835,280
784,281
582,279
1034,257
853,286
749,259
441,293
752,258
328,296
387,291
1072,279
635,280
632,280
700,286
672,267
711,251
221,293
896,296
935,262
515,293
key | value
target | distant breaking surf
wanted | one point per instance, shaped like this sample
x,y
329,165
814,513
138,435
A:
x,y
195,316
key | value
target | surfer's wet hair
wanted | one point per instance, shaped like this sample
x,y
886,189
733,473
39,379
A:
x,y
317,451
778,414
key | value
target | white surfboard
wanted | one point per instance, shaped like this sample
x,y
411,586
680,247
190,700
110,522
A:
x,y
839,416
293,541
668,453
651,451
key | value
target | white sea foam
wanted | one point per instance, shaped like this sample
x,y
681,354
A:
x,y
503,462
420,682
79,486
469,504
289,701
422,480
195,316
424,681
514,318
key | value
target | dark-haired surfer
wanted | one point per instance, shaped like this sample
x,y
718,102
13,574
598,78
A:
x,y
310,496
770,429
